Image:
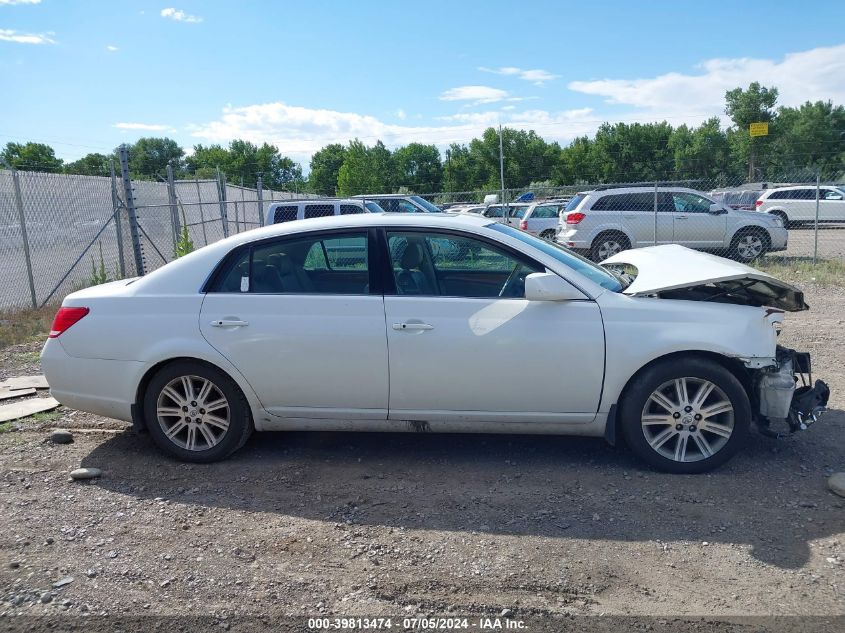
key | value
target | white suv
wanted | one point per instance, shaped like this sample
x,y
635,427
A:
x,y
796,205
604,222
290,210
540,218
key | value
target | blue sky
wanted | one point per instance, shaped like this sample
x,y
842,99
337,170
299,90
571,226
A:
x,y
87,75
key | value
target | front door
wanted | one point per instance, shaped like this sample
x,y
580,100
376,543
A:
x,y
464,344
695,226
296,317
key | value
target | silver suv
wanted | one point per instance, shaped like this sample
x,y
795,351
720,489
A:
x,y
539,218
604,222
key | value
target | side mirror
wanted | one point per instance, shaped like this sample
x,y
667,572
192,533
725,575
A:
x,y
550,287
717,209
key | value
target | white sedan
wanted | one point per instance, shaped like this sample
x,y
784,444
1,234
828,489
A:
x,y
411,323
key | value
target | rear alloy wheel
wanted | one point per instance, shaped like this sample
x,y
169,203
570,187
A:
x,y
607,245
548,235
196,413
749,245
686,417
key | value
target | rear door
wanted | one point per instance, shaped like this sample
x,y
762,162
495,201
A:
x,y
296,317
635,213
543,218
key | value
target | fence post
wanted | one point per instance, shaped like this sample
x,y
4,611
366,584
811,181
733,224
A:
x,y
202,213
655,213
259,186
221,200
24,236
174,211
130,210
118,223
816,223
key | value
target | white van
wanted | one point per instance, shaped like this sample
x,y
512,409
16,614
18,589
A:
x,y
290,210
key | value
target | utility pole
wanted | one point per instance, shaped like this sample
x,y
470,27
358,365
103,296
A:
x,y
502,176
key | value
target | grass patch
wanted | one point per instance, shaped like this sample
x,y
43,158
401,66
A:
x,y
5,427
44,416
825,272
23,326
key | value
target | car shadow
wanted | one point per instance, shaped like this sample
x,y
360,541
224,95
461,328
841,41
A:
x,y
772,497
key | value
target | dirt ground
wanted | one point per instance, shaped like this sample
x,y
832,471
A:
x,y
366,524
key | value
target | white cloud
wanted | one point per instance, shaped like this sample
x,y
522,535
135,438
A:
x,y
149,127
535,75
8,35
20,1
476,94
816,74
298,132
111,48
400,114
180,16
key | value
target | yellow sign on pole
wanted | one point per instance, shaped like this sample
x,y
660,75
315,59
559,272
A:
x,y
759,129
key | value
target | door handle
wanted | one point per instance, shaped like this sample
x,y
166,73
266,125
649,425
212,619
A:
x,y
412,326
229,323
682,217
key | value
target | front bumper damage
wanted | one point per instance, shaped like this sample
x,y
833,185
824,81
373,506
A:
x,y
786,393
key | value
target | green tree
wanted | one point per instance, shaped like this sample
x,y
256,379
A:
x,y
31,157
810,138
366,170
242,162
325,167
702,153
149,157
418,168
91,165
754,105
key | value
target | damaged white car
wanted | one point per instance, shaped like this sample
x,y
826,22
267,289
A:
x,y
426,323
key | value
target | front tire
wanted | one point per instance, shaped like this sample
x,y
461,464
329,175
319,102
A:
x,y
750,244
685,416
196,412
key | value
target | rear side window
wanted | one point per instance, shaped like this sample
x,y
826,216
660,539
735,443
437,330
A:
x,y
544,213
285,214
576,200
318,210
350,209
625,202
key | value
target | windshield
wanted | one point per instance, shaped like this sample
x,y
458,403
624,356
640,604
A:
x,y
425,204
576,200
373,207
518,212
582,265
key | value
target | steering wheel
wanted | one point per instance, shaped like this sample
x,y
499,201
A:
x,y
510,280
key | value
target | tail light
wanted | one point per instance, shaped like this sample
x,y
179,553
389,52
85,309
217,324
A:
x,y
575,218
759,203
65,318
523,225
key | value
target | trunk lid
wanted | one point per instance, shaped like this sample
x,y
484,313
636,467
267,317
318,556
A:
x,y
677,272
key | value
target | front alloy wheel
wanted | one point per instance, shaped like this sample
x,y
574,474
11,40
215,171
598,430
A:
x,y
687,419
685,415
749,247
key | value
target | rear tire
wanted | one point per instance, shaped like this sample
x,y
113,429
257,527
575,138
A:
x,y
608,244
548,234
196,413
685,415
750,244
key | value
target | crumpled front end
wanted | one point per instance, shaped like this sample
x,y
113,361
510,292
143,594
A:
x,y
786,393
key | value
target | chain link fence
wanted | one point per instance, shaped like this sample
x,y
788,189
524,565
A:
x,y
63,232
60,232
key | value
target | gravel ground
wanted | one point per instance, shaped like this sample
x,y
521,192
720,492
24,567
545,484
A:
x,y
366,524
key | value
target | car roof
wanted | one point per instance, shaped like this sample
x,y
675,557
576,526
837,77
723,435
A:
x,y
276,203
642,189
386,195
809,185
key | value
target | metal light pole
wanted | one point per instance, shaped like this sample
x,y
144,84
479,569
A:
x,y
502,176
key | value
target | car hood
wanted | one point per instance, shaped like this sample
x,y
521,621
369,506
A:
x,y
673,271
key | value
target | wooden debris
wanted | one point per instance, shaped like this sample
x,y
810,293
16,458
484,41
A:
x,y
25,382
17,410
5,394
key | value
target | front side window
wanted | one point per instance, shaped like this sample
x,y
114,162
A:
x,y
334,263
425,204
350,209
690,203
832,194
454,265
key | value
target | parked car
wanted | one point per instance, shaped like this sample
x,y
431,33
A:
x,y
604,222
290,210
541,219
797,205
742,199
370,322
467,208
497,211
400,203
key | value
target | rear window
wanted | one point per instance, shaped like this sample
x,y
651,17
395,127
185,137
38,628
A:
x,y
518,212
576,200
285,214
625,202
544,212
350,209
